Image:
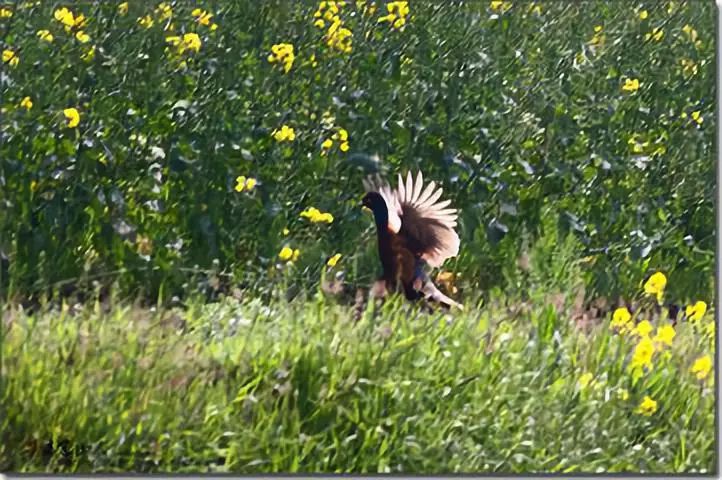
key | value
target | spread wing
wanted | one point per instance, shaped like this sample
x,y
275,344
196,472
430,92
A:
x,y
427,223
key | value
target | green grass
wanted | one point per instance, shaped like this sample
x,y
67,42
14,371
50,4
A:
x,y
247,386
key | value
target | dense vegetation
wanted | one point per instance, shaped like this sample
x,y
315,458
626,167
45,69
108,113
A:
x,y
173,153
565,115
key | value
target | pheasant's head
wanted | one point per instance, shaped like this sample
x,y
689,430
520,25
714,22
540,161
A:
x,y
376,203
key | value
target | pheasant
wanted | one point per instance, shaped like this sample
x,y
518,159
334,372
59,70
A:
x,y
414,230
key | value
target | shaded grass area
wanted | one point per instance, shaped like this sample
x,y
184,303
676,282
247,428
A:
x,y
250,387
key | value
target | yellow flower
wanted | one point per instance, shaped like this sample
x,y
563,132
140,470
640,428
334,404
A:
x,y
644,328
45,35
597,28
655,285
643,353
665,334
73,117
333,260
285,232
701,367
285,254
79,21
243,183
647,407
64,16
690,32
328,143
697,117
621,316
191,41
316,216
621,320
689,67
344,147
123,9
319,23
398,11
146,21
696,311
643,15
283,54
10,58
288,253
285,134
339,38
631,85
26,103
622,394
342,134
5,13
164,11
82,36
202,17
656,34
585,380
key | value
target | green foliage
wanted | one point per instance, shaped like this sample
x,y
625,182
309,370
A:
x,y
254,387
518,112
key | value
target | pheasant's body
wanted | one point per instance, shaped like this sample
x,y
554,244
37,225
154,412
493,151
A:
x,y
412,231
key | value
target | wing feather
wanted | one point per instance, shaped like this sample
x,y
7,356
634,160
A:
x,y
428,225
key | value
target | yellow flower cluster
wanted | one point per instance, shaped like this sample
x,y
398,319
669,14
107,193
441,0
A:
x,y
282,53
316,216
285,134
72,116
328,11
337,37
643,15
639,146
499,6
341,136
26,103
689,67
695,312
691,35
188,42
123,9
631,85
45,35
647,407
71,22
397,13
598,38
68,18
245,184
288,254
11,58
701,367
163,11
5,12
655,285
204,18
656,34
621,321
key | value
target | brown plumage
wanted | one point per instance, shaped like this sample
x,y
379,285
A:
x,y
414,229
